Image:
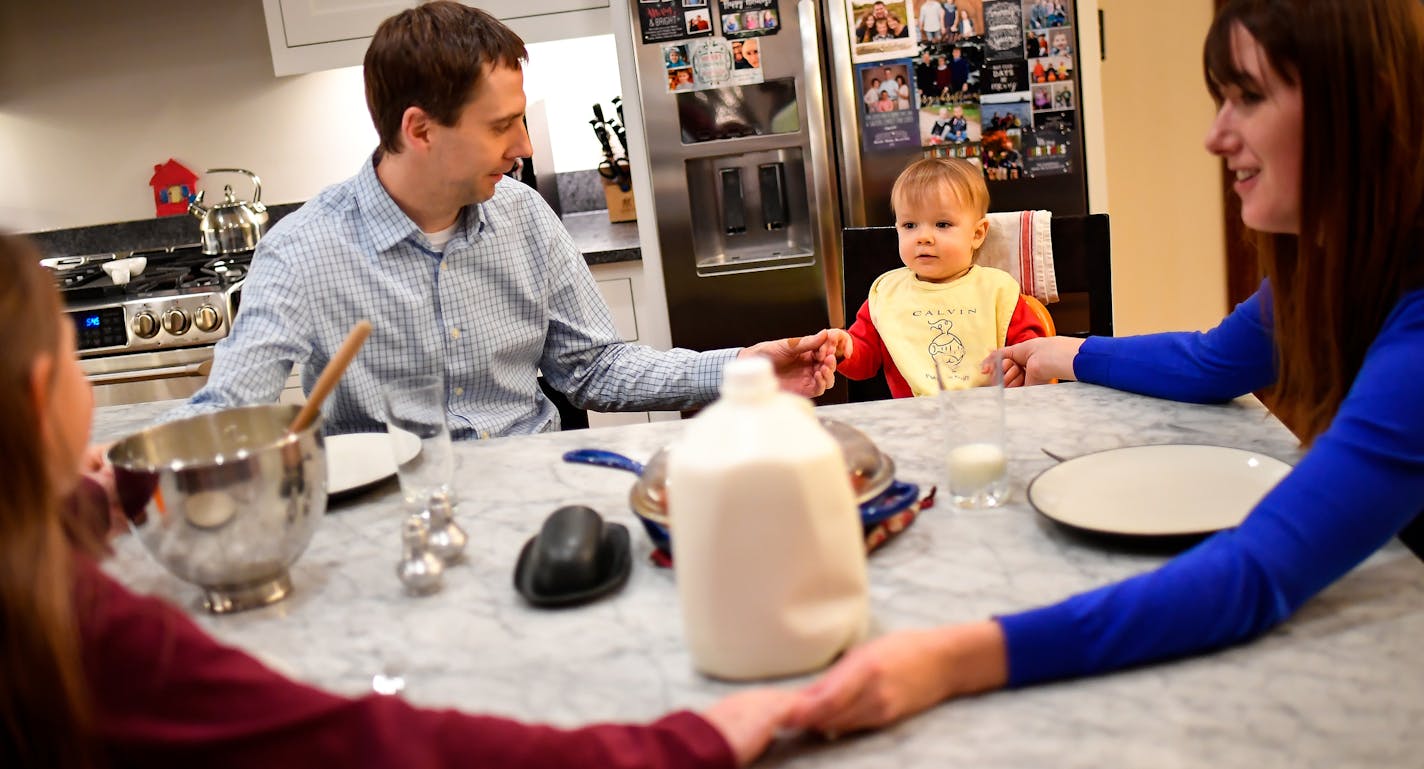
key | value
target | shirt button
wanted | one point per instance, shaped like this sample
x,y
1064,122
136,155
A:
x,y
455,333
442,266
459,391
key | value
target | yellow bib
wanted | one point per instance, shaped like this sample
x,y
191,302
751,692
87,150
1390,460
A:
x,y
956,323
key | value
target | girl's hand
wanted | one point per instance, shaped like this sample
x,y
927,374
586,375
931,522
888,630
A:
x,y
748,720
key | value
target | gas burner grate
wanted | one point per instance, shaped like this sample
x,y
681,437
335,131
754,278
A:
x,y
162,279
202,281
227,269
75,277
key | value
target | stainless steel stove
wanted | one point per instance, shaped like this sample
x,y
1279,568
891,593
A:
x,y
148,335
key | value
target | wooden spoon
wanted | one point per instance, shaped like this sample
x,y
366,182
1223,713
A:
x,y
331,375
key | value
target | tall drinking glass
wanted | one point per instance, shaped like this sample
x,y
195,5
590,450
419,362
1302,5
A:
x,y
973,421
420,439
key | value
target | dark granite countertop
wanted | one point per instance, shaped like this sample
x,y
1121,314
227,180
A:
x,y
602,241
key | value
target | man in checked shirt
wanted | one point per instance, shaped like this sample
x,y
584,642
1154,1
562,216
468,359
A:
x,y
463,272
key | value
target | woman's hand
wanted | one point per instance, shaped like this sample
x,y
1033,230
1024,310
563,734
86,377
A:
x,y
901,674
1044,359
748,720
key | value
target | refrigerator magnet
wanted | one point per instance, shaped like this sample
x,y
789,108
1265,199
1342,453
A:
x,y
718,62
667,20
1003,30
945,124
749,18
890,120
880,29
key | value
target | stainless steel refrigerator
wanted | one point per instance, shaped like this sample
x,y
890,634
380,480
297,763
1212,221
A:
x,y
762,127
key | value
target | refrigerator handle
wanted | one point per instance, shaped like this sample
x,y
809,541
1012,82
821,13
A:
x,y
824,200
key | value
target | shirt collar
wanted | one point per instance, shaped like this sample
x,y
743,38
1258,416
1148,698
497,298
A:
x,y
385,220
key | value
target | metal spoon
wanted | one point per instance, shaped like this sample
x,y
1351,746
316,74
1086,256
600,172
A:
x,y
1051,454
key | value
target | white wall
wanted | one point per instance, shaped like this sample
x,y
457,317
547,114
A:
x,y
1168,243
93,95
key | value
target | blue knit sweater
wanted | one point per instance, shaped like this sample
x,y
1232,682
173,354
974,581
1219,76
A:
x,y
1360,484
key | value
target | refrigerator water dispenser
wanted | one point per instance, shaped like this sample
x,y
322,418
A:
x,y
749,211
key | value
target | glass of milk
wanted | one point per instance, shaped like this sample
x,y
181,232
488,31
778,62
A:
x,y
973,418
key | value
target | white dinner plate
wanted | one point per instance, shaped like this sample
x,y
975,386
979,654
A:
x,y
358,460
1155,491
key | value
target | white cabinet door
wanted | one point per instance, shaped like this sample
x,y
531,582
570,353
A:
x,y
616,284
618,293
308,22
312,35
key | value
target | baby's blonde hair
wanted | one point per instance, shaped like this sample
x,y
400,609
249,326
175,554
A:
x,y
927,178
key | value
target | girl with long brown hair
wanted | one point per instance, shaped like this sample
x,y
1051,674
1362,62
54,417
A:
x,y
1321,119
44,704
93,675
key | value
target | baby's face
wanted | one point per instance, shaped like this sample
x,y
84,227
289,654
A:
x,y
938,236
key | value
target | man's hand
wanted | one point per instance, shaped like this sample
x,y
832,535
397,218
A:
x,y
804,365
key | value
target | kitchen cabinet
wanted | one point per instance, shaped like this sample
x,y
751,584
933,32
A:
x,y
616,284
312,35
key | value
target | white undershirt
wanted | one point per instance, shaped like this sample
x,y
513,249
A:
x,y
439,239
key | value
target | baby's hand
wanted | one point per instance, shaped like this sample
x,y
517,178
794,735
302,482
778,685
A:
x,y
844,343
1013,372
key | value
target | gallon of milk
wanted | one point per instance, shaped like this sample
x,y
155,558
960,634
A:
x,y
768,548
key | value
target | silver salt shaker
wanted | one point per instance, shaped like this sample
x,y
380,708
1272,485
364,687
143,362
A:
x,y
419,568
447,540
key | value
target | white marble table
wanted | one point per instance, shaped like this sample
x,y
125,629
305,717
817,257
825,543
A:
x,y
1341,684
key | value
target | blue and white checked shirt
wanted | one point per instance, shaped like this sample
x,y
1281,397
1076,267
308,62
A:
x,y
509,297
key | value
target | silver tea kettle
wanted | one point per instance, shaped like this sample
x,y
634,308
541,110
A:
x,y
232,225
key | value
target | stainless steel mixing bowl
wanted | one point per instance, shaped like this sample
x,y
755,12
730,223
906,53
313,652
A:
x,y
226,501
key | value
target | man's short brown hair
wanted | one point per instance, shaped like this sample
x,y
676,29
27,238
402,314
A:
x,y
432,57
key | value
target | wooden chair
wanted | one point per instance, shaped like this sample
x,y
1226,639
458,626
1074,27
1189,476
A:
x,y
1081,262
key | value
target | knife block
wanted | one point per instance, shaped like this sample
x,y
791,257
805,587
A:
x,y
621,207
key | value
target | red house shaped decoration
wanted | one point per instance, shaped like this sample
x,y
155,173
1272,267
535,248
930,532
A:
x,y
173,186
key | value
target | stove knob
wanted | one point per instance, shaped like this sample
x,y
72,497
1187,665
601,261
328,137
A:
x,y
207,318
145,325
175,322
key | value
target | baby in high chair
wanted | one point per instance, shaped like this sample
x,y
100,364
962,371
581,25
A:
x,y
940,309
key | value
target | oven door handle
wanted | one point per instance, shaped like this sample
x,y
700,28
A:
x,y
201,368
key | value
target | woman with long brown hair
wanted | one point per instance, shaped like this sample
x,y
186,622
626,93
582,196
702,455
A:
x,y
1321,119
93,675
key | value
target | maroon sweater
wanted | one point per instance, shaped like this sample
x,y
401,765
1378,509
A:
x,y
166,694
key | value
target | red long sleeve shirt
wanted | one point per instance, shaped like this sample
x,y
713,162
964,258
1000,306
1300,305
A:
x,y
167,694
871,354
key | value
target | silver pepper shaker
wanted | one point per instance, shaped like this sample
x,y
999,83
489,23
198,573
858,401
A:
x,y
447,540
419,568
